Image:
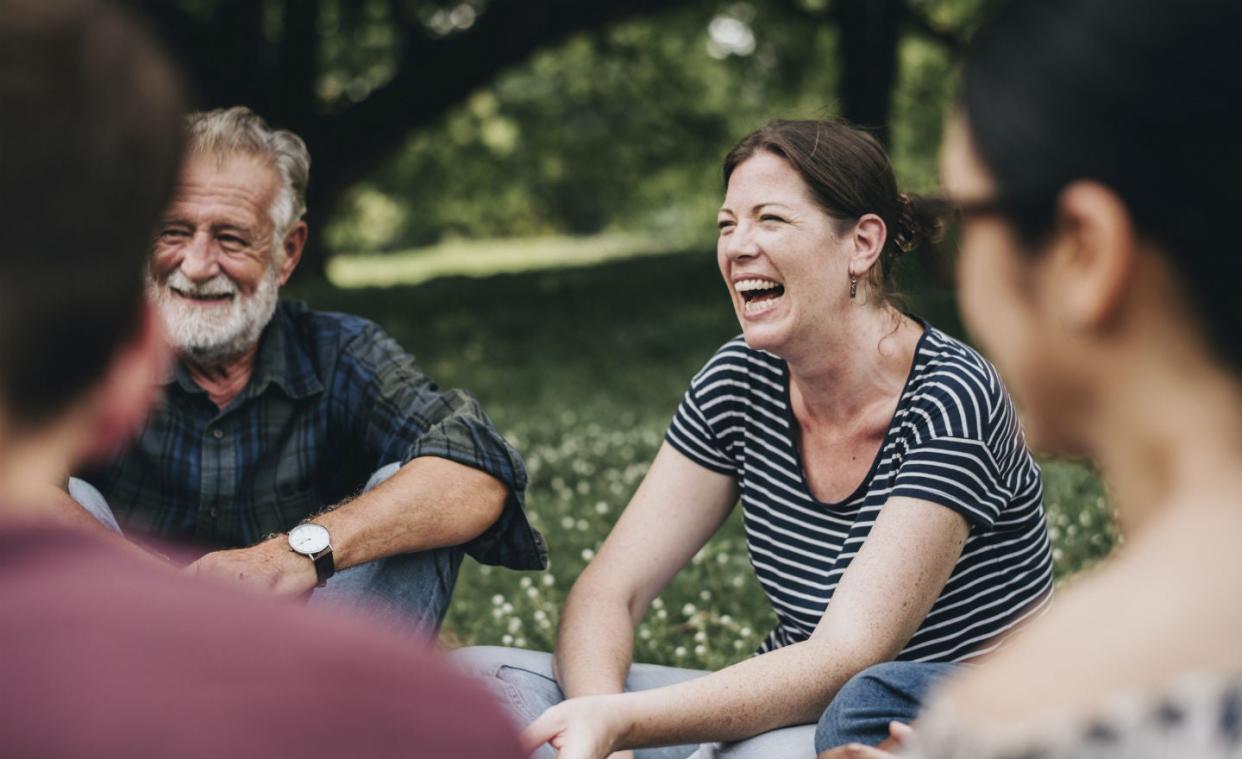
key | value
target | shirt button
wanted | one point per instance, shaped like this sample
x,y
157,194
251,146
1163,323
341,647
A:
x,y
217,433
213,512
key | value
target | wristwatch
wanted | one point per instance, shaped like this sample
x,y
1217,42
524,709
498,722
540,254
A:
x,y
313,541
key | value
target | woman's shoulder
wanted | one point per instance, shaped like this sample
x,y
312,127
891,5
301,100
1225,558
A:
x,y
738,360
1196,714
951,385
1098,658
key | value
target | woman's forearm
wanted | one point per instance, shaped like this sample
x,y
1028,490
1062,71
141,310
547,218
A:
x,y
595,643
790,686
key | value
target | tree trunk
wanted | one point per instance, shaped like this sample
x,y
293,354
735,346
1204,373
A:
x,y
869,34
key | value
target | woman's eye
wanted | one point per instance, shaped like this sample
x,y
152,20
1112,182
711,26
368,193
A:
x,y
770,217
724,224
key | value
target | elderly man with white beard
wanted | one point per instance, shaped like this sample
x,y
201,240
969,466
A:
x,y
294,444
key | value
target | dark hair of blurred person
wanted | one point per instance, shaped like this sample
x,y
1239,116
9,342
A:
x,y
106,654
90,137
1094,159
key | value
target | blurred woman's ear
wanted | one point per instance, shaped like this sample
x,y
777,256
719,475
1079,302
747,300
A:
x,y
1092,257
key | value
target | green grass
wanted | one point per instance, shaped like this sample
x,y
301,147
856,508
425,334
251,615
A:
x,y
581,368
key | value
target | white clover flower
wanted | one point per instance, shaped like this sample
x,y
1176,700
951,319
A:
x,y
548,581
689,610
497,600
587,554
524,582
679,652
700,650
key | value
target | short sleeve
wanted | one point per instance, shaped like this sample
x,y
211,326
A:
x,y
956,432
708,408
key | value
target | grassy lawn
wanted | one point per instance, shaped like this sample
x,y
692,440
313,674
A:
x,y
581,368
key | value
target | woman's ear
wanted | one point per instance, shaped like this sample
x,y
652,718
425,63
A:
x,y
867,239
1094,257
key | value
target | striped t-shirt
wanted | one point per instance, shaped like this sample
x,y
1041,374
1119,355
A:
x,y
954,440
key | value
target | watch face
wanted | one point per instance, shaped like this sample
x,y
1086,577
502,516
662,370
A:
x,y
308,538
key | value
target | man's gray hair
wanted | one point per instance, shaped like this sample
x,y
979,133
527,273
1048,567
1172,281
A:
x,y
241,130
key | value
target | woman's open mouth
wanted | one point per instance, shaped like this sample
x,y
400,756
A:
x,y
759,295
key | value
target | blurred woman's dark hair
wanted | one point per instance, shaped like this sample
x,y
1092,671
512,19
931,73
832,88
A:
x,y
1139,95
849,175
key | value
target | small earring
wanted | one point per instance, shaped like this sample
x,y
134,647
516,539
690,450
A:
x,y
853,286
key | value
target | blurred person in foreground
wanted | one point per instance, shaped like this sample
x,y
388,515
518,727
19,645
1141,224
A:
x,y
106,654
276,416
1094,156
893,514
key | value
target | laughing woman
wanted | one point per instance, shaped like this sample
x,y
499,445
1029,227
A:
x,y
892,511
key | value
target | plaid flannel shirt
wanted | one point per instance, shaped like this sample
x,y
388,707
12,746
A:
x,y
331,400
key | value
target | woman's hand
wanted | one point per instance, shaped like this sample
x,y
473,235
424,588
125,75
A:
x,y
580,728
898,734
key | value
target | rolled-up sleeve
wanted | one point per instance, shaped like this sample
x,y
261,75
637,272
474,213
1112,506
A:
x,y
399,414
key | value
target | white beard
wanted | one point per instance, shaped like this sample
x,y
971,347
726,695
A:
x,y
213,334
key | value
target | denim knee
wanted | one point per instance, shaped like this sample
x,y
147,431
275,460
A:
x,y
862,709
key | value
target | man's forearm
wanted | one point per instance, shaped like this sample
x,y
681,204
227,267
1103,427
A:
x,y
429,503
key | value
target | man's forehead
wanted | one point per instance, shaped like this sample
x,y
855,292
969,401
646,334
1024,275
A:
x,y
227,179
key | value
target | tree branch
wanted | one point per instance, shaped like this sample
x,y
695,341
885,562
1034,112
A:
x,y
441,72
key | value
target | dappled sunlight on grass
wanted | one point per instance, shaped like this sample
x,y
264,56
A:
x,y
481,258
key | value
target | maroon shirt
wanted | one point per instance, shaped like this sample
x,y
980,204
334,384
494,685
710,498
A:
x,y
102,655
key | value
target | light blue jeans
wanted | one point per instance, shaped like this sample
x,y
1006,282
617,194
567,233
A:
x,y
880,694
409,590
524,683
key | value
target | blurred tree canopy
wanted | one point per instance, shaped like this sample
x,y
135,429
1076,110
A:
x,y
428,118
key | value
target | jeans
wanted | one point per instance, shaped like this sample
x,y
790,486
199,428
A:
x,y
524,683
410,591
864,706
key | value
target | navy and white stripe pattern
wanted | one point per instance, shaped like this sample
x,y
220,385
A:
x,y
955,440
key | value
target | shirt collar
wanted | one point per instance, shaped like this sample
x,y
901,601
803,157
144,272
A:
x,y
282,360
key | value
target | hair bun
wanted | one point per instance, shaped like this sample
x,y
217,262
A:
x,y
920,221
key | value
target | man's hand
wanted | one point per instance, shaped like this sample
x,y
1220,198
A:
x,y
580,728
269,567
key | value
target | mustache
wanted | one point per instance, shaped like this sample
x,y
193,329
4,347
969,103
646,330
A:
x,y
214,287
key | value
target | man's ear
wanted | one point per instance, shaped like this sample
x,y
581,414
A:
x,y
292,247
867,236
1095,256
130,387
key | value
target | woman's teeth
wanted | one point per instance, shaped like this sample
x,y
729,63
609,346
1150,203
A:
x,y
759,295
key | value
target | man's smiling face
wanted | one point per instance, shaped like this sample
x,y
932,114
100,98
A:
x,y
214,272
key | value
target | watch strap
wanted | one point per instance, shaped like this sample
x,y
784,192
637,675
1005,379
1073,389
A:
x,y
325,566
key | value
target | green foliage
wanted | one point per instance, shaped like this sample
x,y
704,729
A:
x,y
625,128
582,369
